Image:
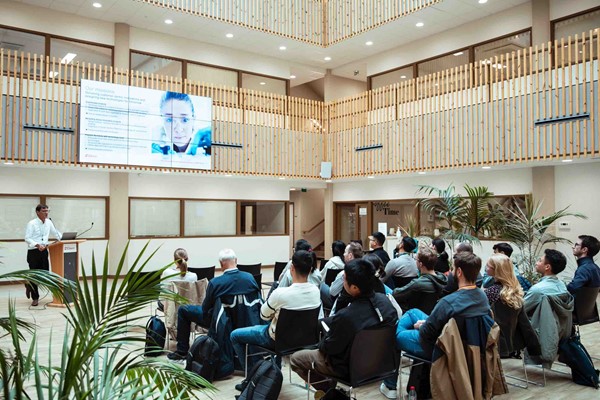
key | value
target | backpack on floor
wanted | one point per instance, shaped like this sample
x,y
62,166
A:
x,y
203,357
156,334
572,353
263,382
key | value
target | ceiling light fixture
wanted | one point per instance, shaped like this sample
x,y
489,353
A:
x,y
263,83
97,5
482,1
327,58
292,189
282,48
166,172
419,24
229,35
228,175
370,177
168,21
282,178
292,76
369,43
486,167
402,76
567,160
8,163
328,181
458,53
422,172
68,58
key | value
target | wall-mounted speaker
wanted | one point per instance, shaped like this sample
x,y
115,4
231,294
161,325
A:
x,y
325,170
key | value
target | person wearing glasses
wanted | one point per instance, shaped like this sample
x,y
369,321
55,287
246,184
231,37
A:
x,y
587,273
178,135
36,235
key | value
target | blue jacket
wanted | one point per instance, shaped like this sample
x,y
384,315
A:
x,y
587,274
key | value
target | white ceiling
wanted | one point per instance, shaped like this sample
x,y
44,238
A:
x,y
346,57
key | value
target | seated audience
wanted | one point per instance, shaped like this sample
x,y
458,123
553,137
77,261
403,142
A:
x,y
337,261
587,273
403,266
179,271
507,250
549,265
429,281
220,289
285,279
442,265
452,285
505,287
301,295
369,309
330,293
376,241
417,332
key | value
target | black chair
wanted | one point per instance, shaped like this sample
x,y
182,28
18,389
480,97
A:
x,y
277,270
424,301
204,272
253,269
331,275
258,279
372,358
296,330
586,308
400,281
322,265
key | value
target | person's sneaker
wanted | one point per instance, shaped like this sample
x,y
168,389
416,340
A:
x,y
176,357
389,393
319,394
240,386
34,303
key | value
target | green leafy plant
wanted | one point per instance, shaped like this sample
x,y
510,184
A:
x,y
531,232
101,355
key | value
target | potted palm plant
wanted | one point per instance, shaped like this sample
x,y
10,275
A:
x,y
101,354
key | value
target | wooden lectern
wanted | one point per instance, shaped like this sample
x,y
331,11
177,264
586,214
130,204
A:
x,y
64,261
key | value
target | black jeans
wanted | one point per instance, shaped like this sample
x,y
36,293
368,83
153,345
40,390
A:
x,y
37,260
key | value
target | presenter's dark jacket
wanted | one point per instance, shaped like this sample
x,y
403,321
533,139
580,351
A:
x,y
344,326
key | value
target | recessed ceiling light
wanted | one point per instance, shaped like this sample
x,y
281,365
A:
x,y
97,5
402,76
292,76
229,35
482,1
458,53
282,48
166,172
8,163
567,160
328,181
228,175
419,24
263,83
422,172
292,189
327,59
282,178
370,177
369,43
168,21
486,167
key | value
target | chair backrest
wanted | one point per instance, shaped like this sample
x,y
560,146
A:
x,y
204,272
424,301
507,318
373,355
297,329
253,269
400,281
331,275
323,262
279,267
258,279
586,308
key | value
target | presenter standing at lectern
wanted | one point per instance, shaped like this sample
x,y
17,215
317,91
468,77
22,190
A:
x,y
36,236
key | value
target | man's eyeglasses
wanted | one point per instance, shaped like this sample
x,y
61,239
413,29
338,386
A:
x,y
577,244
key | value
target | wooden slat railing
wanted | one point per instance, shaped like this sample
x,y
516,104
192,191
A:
x,y
478,114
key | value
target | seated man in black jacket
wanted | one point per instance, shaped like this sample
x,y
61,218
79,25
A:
x,y
368,309
429,283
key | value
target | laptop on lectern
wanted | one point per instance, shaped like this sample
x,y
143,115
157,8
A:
x,y
69,236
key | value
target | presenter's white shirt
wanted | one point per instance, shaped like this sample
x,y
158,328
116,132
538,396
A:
x,y
37,232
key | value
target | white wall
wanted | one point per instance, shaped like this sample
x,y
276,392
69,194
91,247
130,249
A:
x,y
562,8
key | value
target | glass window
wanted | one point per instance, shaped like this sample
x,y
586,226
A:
x,y
22,42
215,76
486,53
264,84
78,215
67,52
149,217
389,78
156,65
443,63
263,218
209,218
15,213
577,25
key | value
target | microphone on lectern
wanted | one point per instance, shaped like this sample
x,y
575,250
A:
x,y
86,231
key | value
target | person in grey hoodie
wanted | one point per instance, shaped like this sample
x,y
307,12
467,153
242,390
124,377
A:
x,y
337,261
429,281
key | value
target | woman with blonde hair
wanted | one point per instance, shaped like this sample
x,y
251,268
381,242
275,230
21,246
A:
x,y
180,267
506,287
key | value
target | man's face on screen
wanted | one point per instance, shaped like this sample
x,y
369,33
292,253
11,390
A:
x,y
178,120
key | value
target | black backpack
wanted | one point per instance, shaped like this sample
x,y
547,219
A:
x,y
203,357
572,353
156,334
263,382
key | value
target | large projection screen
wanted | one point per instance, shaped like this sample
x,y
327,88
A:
x,y
127,125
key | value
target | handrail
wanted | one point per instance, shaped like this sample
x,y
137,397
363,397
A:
x,y
314,227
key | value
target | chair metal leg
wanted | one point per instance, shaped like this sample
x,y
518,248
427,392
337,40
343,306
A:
x,y
399,391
